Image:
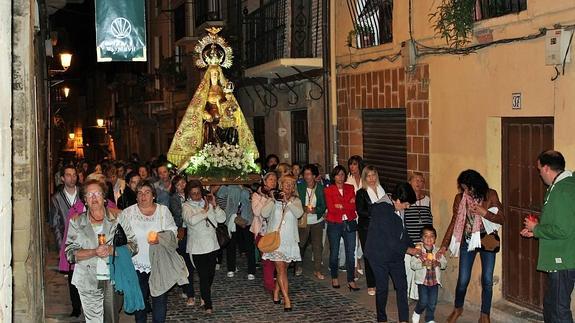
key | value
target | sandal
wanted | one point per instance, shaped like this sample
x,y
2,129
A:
x,y
191,301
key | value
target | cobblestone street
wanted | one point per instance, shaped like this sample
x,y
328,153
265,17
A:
x,y
240,300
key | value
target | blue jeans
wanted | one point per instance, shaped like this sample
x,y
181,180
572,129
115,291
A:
x,y
334,233
466,259
427,301
159,304
557,302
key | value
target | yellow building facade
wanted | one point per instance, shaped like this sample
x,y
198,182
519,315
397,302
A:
x,y
460,114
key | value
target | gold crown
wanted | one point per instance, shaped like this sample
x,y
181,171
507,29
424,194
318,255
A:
x,y
219,53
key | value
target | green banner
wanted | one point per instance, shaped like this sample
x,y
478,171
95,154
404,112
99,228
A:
x,y
120,30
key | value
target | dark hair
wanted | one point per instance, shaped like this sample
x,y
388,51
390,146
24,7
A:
x,y
194,183
103,188
131,174
269,157
474,182
553,159
356,159
68,166
336,171
404,193
146,183
312,168
111,170
175,181
119,165
430,228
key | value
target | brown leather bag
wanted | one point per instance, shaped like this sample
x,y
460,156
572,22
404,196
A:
x,y
271,240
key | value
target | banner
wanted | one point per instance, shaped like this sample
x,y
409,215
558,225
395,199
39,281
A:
x,y
120,30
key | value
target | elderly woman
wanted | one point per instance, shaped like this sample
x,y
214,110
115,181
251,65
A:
x,y
147,218
259,224
88,245
371,192
474,203
282,213
201,216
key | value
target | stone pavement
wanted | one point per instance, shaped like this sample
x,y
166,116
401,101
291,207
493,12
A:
x,y
239,300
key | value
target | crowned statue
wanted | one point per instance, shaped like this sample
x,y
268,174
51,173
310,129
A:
x,y
213,121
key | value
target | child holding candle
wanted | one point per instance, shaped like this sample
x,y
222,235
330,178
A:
x,y
427,266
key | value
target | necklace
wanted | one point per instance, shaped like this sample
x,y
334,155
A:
x,y
94,219
310,196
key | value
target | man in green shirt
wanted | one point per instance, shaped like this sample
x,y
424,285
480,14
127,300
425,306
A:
x,y
556,233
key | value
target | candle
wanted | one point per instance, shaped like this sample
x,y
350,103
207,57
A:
x,y
101,238
152,236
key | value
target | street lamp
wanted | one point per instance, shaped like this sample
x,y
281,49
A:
x,y
71,135
65,60
100,122
66,91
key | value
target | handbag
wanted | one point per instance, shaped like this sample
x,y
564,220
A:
x,y
490,242
302,222
270,242
241,222
222,233
350,226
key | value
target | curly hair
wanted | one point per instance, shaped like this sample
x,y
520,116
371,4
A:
x,y
476,184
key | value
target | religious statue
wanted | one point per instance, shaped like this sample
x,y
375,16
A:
x,y
213,115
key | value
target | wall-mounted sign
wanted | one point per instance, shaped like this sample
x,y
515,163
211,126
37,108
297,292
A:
x,y
516,101
120,30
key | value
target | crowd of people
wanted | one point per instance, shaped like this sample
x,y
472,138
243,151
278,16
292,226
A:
x,y
160,214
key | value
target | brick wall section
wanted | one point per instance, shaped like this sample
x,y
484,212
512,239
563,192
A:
x,y
384,89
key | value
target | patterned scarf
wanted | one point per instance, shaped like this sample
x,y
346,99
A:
x,y
462,211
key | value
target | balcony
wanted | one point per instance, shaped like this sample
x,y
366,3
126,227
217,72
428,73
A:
x,y
207,13
281,35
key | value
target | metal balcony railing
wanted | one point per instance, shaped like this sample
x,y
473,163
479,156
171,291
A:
x,y
485,9
276,31
373,22
207,10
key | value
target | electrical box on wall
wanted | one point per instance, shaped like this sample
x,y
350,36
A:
x,y
556,46
408,54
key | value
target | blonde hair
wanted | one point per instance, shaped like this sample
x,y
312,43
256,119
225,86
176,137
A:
x,y
288,178
366,170
414,175
283,169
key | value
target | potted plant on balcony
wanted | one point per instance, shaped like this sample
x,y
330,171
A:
x,y
366,36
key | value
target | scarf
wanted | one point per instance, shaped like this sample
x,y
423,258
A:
x,y
376,196
475,242
123,274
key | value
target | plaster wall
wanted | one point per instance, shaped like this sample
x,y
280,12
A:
x,y
468,96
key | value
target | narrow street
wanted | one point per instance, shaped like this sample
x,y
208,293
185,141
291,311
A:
x,y
240,300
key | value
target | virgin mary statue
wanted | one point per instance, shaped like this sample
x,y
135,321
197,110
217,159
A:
x,y
212,115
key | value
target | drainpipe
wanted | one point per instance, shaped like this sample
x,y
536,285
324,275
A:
x,y
331,111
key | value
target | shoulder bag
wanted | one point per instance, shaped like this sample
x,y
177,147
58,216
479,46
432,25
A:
x,y
271,240
222,233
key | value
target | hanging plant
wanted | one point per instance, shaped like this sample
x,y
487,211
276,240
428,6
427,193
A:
x,y
454,20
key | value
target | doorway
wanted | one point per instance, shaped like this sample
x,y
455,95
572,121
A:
x,y
300,144
523,191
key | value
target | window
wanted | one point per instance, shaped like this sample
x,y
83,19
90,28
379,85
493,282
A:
x,y
373,22
180,22
485,9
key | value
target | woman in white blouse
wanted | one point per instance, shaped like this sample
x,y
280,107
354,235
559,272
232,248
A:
x,y
147,218
202,215
285,210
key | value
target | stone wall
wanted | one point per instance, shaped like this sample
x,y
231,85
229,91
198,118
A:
x,y
384,89
27,233
5,163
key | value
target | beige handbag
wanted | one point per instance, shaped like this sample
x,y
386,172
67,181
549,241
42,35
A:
x,y
271,240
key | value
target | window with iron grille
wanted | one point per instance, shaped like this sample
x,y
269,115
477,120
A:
x,y
485,9
372,22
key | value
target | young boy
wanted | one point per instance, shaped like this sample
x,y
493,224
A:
x,y
427,268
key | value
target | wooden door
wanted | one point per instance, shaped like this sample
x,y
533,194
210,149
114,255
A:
x,y
300,144
523,191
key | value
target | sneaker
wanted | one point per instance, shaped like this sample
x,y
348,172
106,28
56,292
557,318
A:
x,y
217,266
231,274
431,322
251,277
415,317
371,291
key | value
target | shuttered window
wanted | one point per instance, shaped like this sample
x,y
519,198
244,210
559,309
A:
x,y
384,145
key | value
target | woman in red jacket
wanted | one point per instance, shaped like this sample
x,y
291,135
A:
x,y
341,222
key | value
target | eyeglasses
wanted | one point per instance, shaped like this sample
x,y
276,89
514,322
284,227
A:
x,y
94,194
144,192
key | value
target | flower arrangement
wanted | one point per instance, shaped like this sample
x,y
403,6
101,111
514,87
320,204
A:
x,y
222,161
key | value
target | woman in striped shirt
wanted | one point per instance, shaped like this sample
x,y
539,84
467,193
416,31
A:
x,y
415,218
